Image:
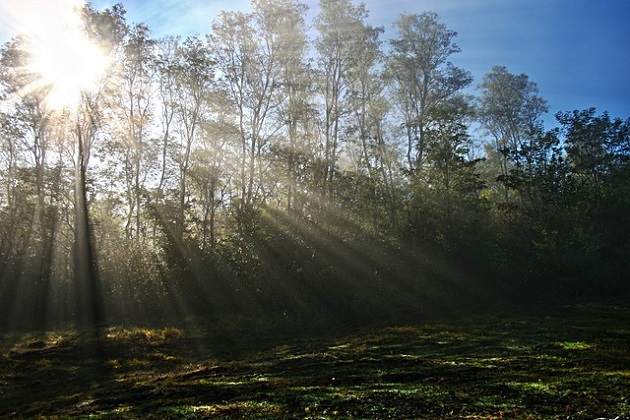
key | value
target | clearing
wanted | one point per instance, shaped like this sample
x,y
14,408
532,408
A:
x,y
572,362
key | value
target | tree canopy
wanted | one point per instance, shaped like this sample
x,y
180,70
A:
x,y
271,171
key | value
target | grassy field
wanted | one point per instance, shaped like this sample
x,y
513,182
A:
x,y
572,362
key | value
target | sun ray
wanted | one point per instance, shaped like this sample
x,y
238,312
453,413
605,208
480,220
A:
x,y
63,60
67,66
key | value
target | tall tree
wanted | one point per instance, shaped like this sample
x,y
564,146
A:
x,y
167,73
295,115
29,134
510,108
423,76
193,86
450,179
85,123
133,109
342,34
253,51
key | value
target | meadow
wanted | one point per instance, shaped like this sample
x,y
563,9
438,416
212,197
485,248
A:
x,y
568,362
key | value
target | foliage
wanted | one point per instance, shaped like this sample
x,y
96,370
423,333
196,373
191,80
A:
x,y
267,172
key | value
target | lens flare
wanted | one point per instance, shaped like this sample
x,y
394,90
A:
x,y
67,68
65,62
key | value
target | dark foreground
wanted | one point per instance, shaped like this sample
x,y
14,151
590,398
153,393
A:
x,y
573,362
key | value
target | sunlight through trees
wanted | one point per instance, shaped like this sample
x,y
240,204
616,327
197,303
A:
x,y
291,171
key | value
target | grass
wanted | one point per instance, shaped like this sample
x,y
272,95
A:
x,y
572,363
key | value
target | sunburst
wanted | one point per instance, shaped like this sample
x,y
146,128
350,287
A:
x,y
63,61
67,66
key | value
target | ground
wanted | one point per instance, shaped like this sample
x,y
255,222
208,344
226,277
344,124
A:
x,y
569,362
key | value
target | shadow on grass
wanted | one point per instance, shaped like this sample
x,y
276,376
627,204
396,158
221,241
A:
x,y
572,364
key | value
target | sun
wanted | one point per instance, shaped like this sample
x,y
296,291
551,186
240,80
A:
x,y
66,66
63,61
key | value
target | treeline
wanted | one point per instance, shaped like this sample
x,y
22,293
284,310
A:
x,y
260,172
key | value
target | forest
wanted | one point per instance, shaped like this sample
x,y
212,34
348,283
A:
x,y
283,172
302,215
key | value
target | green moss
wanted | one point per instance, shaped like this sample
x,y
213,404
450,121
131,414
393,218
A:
x,y
574,345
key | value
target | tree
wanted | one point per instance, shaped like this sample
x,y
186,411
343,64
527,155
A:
x,y
253,52
29,141
450,174
598,152
342,34
510,108
296,114
579,230
596,145
167,73
133,110
193,86
422,75
22,134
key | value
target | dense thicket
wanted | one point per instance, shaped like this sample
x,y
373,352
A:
x,y
264,173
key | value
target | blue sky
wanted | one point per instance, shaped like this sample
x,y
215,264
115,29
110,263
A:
x,y
577,51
